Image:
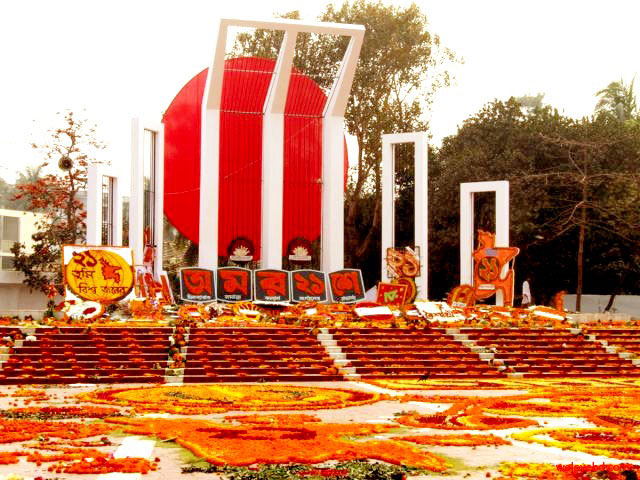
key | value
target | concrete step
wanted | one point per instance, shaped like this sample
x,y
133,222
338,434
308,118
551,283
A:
x,y
460,336
176,379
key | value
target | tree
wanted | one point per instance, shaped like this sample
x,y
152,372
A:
x,y
58,196
574,191
401,66
531,102
618,100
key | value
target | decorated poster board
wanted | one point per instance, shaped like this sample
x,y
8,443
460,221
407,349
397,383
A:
x,y
403,266
462,296
373,313
392,294
233,284
271,286
197,285
308,286
101,274
347,286
438,312
165,285
146,286
489,262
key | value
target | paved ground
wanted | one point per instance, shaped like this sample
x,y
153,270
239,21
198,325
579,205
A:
x,y
468,462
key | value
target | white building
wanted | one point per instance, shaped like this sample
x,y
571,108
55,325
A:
x,y
15,297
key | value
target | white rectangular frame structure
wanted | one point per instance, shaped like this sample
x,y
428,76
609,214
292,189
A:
x,y
467,235
332,256
420,142
136,202
96,171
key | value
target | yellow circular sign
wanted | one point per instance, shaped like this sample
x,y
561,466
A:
x,y
99,276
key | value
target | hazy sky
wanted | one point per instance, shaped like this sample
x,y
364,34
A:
x,y
120,59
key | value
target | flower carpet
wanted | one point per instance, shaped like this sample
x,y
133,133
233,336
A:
x,y
397,428
205,399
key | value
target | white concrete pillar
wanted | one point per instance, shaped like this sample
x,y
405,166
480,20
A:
x,y
210,155
273,156
136,199
158,210
332,257
467,235
420,141
94,205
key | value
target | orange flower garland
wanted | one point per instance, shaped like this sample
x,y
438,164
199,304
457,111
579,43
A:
x,y
281,440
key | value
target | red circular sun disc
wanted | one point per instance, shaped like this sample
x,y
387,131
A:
x,y
245,85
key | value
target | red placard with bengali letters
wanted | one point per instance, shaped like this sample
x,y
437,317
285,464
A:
x,y
347,286
308,286
197,285
271,285
233,284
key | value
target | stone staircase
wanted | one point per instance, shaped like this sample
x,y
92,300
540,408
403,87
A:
x,y
340,359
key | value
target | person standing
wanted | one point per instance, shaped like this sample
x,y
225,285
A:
x,y
526,293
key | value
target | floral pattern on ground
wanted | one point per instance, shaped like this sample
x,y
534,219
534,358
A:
x,y
463,440
206,399
464,415
607,442
263,441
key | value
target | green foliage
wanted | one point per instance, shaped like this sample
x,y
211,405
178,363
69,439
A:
x,y
618,100
353,470
573,183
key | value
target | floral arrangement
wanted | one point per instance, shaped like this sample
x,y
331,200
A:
x,y
58,413
205,399
463,440
607,442
13,430
259,441
464,415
